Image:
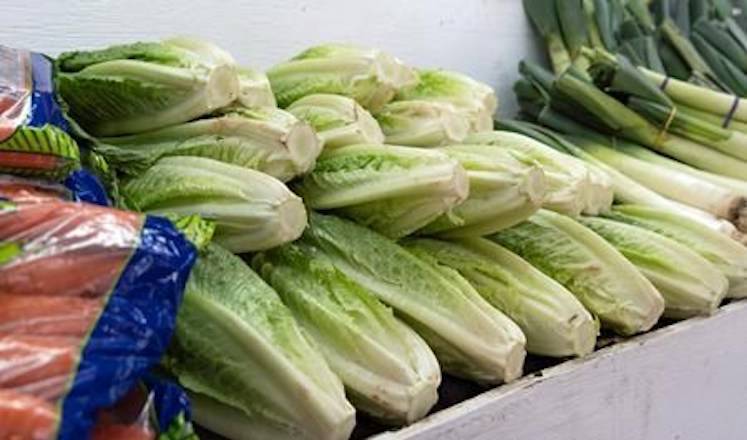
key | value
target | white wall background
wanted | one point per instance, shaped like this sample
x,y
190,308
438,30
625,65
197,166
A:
x,y
483,38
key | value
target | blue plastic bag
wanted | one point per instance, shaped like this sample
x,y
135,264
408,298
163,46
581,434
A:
x,y
88,303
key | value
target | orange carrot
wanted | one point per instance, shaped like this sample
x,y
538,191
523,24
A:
x,y
30,161
26,359
122,432
124,419
25,417
127,410
47,315
7,102
29,190
51,389
89,274
30,221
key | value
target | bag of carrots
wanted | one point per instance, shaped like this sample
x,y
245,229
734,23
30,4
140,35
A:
x,y
88,302
35,135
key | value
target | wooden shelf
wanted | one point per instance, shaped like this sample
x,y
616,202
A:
x,y
685,381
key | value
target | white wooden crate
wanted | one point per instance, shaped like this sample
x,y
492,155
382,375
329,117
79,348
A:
x,y
686,381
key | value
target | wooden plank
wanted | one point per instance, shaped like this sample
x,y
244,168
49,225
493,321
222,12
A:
x,y
687,381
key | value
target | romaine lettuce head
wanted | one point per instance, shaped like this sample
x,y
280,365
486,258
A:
x,y
470,338
605,282
389,372
255,89
252,211
245,360
421,123
728,255
690,284
568,180
196,229
369,76
338,120
265,139
553,320
138,87
477,100
602,193
505,188
394,190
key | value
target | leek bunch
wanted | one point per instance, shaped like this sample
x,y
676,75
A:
x,y
610,100
625,189
699,41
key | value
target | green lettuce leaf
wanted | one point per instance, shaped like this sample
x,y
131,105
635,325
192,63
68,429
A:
x,y
265,139
570,182
421,123
728,255
605,282
553,320
470,338
143,86
388,370
369,76
689,283
250,369
505,188
394,190
251,210
338,120
475,99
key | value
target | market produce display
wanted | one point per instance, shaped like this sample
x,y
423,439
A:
x,y
330,240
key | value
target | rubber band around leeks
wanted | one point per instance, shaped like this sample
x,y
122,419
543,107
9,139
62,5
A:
x,y
727,119
665,128
732,111
664,84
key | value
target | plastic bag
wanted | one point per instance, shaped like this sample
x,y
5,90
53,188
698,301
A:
x,y
35,136
88,302
155,408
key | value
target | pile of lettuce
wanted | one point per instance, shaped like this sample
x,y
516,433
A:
x,y
373,231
